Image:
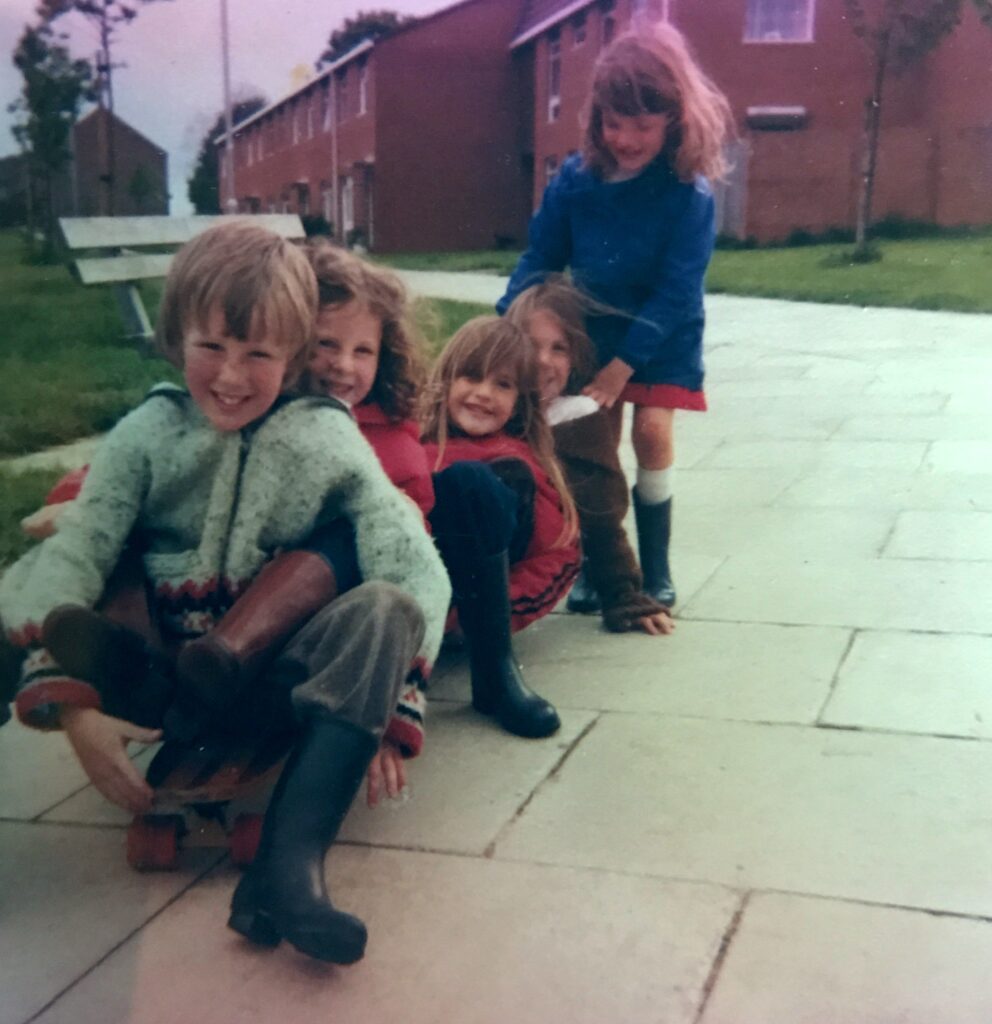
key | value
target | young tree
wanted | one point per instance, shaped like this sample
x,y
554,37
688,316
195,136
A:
x,y
107,16
372,25
203,185
55,88
898,34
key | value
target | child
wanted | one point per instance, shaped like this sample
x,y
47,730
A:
x,y
632,216
503,518
551,314
208,483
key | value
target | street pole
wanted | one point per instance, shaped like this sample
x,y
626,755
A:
x,y
231,203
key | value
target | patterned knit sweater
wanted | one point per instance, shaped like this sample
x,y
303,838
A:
x,y
208,509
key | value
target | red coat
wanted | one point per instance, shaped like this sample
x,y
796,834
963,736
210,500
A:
x,y
397,444
542,577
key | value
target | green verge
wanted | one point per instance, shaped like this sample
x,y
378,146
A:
x,y
20,494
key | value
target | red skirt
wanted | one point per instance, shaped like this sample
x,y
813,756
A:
x,y
664,396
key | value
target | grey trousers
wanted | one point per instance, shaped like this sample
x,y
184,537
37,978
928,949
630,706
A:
x,y
352,657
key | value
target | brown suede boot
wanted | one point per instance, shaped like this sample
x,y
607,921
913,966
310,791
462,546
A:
x,y
216,668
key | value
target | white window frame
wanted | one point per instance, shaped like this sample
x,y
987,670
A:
x,y
347,205
363,88
295,116
554,76
755,30
328,101
341,89
309,103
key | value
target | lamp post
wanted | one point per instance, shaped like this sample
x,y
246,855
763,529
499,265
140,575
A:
x,y
231,203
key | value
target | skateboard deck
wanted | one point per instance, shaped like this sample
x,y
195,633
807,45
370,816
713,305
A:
x,y
205,796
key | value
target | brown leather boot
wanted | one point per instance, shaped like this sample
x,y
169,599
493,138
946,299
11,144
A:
x,y
216,668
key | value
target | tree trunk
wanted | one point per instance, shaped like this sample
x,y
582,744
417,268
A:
x,y
869,156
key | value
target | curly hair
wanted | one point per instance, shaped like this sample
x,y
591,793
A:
x,y
343,277
651,70
478,349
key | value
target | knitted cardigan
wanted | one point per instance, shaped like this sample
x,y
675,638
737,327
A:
x,y
588,455
208,510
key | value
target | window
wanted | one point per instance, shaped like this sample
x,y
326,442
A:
x,y
295,115
250,150
779,21
327,197
363,88
341,86
310,100
550,169
348,204
554,76
303,200
260,133
579,29
325,98
609,21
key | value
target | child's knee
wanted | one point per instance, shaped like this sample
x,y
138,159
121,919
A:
x,y
393,609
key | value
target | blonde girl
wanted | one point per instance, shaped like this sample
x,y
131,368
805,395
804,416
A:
x,y
632,216
503,518
552,315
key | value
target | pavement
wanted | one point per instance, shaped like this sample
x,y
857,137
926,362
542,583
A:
x,y
781,814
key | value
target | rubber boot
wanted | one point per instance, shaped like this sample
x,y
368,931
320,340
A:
x,y
283,895
216,669
133,677
583,599
482,596
654,531
10,674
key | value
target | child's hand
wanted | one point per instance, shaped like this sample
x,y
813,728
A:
x,y
609,382
100,743
659,624
44,522
387,769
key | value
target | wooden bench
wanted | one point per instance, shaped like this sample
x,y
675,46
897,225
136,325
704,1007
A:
x,y
111,253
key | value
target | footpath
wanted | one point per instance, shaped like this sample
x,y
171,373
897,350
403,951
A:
x,y
780,814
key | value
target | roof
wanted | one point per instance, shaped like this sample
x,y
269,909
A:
x,y
540,15
106,114
355,51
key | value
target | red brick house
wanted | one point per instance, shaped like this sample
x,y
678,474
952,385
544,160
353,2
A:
x,y
443,135
408,143
797,78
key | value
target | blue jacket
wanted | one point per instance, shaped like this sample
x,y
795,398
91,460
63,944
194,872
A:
x,y
641,246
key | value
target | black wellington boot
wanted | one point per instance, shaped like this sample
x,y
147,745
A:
x,y
583,598
654,531
283,895
482,596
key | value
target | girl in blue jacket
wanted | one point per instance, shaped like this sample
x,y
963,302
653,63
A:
x,y
632,217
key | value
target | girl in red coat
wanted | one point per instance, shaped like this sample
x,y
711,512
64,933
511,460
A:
x,y
503,519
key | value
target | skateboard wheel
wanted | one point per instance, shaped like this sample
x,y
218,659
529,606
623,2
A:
x,y
245,837
153,845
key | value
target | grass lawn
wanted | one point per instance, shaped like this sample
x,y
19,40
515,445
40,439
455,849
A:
x,y
927,273
20,494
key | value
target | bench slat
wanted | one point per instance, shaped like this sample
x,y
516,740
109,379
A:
x,y
111,269
102,232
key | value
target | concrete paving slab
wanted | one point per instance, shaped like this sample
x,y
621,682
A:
x,y
711,670
943,426
451,939
779,532
737,488
778,425
964,536
67,899
881,593
904,455
915,682
37,771
884,818
891,489
811,961
812,401
960,457
462,810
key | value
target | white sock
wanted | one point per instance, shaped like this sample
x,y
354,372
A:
x,y
654,486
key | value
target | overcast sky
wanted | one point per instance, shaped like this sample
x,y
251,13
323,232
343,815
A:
x,y
172,87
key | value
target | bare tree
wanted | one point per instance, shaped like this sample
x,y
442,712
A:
x,y
898,34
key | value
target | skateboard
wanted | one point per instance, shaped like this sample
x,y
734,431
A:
x,y
205,796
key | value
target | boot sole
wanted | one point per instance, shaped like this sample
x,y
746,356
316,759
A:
x,y
553,724
259,928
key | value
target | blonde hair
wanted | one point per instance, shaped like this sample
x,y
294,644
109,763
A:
x,y
651,70
262,283
568,307
343,277
478,349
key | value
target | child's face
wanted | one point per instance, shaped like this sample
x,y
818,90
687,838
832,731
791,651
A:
x,y
346,357
233,382
633,142
552,353
482,405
